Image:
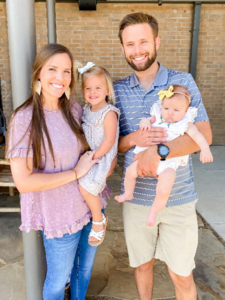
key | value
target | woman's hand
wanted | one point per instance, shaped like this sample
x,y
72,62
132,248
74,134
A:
x,y
85,163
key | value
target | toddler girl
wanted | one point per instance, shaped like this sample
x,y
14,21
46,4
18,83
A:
x,y
177,117
100,126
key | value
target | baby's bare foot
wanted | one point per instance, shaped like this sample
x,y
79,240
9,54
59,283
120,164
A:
x,y
124,197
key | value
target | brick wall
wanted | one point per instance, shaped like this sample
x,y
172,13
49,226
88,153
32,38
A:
x,y
92,36
4,63
211,67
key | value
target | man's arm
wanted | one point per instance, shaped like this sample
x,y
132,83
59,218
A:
x,y
148,160
184,145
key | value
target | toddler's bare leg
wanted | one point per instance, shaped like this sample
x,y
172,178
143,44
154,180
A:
x,y
129,183
163,189
94,204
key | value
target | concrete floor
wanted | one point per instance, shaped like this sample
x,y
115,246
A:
x,y
112,277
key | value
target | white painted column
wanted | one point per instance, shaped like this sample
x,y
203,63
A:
x,y
51,21
22,46
22,49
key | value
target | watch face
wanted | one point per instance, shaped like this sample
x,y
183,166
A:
x,y
163,150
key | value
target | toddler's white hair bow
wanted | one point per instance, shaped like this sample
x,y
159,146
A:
x,y
87,67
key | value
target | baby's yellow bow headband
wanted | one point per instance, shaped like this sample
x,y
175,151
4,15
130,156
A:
x,y
169,93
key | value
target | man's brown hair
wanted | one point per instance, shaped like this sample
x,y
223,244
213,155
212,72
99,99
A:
x,y
138,18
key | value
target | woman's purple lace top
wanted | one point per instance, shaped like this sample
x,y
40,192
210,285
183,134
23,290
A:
x,y
59,210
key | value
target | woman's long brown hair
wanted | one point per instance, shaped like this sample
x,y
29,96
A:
x,y
37,125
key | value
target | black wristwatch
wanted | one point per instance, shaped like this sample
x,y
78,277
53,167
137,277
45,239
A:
x,y
163,151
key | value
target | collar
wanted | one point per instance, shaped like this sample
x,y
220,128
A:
x,y
160,79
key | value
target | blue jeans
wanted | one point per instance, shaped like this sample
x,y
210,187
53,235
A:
x,y
71,252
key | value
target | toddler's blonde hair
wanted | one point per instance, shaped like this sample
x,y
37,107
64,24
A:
x,y
95,71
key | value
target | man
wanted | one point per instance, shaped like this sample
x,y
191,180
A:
x,y
174,236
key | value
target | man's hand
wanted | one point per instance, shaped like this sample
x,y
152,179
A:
x,y
153,136
141,138
150,137
148,161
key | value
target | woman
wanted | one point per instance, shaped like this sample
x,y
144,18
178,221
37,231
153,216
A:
x,y
44,146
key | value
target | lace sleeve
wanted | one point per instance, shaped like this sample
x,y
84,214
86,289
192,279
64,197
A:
x,y
156,109
189,117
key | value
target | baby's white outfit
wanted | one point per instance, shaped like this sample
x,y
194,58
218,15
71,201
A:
x,y
174,130
93,126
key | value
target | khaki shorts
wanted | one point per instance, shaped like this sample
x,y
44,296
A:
x,y
173,239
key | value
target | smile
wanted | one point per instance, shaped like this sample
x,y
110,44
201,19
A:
x,y
57,86
139,58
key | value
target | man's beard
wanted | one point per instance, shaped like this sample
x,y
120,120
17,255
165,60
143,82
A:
x,y
147,65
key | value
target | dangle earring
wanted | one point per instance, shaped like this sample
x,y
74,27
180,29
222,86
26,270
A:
x,y
37,87
67,93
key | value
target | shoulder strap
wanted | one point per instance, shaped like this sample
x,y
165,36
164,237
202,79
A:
x,y
105,111
100,119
